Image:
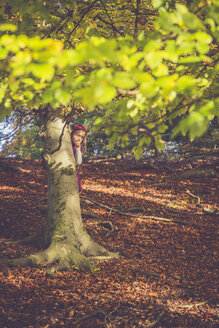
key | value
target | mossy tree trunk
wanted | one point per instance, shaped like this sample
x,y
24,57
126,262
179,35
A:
x,y
64,237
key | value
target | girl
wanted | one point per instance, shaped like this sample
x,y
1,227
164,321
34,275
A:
x,y
79,144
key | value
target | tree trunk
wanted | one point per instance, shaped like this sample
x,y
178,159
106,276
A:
x,y
64,235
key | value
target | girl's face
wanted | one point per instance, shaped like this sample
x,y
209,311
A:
x,y
78,137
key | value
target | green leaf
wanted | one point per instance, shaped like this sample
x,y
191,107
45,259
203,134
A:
x,y
3,88
185,82
209,109
3,53
71,57
181,9
48,96
123,80
144,141
28,81
113,140
203,37
62,95
4,112
192,22
154,58
202,48
157,3
138,152
159,145
211,22
148,87
167,82
195,123
161,70
134,112
14,86
104,93
45,72
8,105
130,62
10,43
107,49
162,128
101,93
168,22
99,121
28,95
171,51
153,45
189,60
8,27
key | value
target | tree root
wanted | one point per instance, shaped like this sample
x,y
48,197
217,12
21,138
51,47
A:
x,y
36,238
90,214
106,224
62,257
105,258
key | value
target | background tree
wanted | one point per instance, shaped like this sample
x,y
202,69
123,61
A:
x,y
140,84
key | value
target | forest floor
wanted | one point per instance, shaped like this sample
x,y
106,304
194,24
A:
x,y
166,275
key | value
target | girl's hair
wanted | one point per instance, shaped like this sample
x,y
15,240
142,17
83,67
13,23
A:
x,y
80,127
76,127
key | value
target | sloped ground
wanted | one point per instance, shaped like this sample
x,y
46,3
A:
x,y
166,274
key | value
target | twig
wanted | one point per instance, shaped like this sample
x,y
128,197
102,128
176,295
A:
x,y
213,210
137,216
151,273
81,18
205,209
106,224
104,257
110,24
190,194
90,214
152,324
195,304
138,2
91,314
111,21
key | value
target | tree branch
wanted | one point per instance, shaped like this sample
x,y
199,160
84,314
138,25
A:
x,y
138,3
81,18
127,92
111,21
111,24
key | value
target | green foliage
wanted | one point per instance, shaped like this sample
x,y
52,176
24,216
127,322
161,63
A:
x,y
21,138
139,84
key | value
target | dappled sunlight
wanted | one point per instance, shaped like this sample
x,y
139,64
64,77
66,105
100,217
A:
x,y
149,194
10,189
165,268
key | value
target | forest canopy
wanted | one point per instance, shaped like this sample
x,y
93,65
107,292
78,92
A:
x,y
140,68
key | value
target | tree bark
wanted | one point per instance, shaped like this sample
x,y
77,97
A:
x,y
64,236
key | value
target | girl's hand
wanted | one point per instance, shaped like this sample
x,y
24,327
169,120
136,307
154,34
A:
x,y
77,144
84,145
